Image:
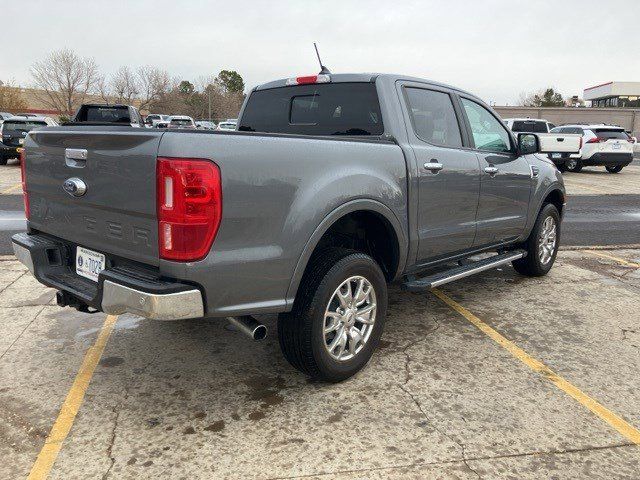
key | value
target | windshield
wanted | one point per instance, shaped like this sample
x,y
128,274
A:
x,y
317,109
21,126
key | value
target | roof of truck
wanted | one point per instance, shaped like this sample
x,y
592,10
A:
x,y
363,77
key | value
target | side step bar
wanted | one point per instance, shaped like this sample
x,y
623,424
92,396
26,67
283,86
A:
x,y
440,278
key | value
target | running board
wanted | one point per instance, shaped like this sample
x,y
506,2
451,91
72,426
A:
x,y
456,273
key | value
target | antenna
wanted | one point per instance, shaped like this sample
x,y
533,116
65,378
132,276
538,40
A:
x,y
323,70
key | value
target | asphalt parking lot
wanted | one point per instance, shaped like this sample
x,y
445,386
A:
x,y
495,376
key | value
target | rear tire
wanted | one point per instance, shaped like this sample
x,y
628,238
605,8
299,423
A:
x,y
562,167
577,168
614,168
320,319
542,244
3,160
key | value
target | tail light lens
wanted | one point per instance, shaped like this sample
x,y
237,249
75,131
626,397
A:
x,y
309,79
595,140
189,205
25,195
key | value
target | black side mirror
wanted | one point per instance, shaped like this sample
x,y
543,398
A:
x,y
528,144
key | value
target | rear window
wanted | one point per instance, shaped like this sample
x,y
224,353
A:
x,y
104,114
322,109
611,133
529,126
22,126
181,122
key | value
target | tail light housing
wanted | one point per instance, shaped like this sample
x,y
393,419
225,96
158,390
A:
x,y
189,207
595,140
309,79
23,175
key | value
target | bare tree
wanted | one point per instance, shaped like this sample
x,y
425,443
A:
x,y
153,84
65,79
10,97
125,85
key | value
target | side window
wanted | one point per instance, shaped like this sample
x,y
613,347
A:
x,y
488,133
433,117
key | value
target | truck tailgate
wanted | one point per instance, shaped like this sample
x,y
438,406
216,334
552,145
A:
x,y
117,213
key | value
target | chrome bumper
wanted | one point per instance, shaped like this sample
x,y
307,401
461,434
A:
x,y
118,299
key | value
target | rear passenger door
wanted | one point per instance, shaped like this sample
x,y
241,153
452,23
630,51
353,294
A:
x,y
448,173
505,177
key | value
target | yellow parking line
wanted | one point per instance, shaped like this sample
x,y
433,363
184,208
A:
x,y
624,428
64,422
11,189
621,261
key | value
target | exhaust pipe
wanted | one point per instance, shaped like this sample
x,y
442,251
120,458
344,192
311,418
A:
x,y
249,326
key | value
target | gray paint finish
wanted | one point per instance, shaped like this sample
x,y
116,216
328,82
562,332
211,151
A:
x,y
280,194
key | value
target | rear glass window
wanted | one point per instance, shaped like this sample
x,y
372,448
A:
x,y
529,126
611,133
104,114
322,109
433,116
180,122
22,126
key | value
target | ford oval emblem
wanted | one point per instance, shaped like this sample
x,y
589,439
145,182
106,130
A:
x,y
74,187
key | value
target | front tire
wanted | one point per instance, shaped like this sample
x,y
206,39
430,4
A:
x,y
614,168
3,160
338,316
542,244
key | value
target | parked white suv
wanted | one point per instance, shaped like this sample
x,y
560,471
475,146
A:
x,y
528,125
602,145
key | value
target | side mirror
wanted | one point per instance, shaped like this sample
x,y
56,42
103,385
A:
x,y
549,143
528,143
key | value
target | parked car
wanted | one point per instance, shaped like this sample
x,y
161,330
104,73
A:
x,y
4,116
153,118
205,125
101,113
227,125
528,125
13,132
334,186
602,145
181,121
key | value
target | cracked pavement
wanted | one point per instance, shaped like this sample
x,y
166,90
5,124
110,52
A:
x,y
194,399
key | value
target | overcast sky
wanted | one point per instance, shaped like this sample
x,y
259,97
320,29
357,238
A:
x,y
494,48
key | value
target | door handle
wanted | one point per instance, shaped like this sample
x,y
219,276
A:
x,y
491,170
434,166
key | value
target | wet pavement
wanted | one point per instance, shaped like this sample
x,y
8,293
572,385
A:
x,y
195,399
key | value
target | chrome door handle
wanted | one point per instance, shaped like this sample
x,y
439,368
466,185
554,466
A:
x,y
491,170
435,167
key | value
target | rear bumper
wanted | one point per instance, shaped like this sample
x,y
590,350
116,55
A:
x,y
10,151
603,159
120,289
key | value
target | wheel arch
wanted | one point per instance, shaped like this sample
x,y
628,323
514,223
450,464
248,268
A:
x,y
359,206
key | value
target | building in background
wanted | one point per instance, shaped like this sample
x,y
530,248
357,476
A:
x,y
614,95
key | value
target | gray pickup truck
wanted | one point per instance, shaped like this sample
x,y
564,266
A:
x,y
332,187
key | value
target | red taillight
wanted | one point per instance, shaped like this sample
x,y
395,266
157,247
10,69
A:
x,y
595,140
189,205
25,196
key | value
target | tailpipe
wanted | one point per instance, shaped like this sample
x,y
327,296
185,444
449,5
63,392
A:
x,y
249,326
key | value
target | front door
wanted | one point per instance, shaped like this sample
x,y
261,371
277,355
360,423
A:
x,y
506,178
448,173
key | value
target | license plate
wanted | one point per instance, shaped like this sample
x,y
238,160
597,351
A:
x,y
21,141
617,146
89,264
556,155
